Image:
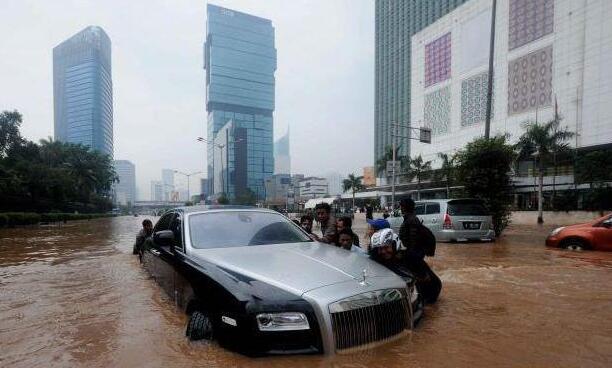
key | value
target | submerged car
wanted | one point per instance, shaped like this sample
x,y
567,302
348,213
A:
x,y
257,283
453,219
594,235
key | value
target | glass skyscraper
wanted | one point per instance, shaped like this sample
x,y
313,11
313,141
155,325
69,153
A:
x,y
83,90
240,61
396,21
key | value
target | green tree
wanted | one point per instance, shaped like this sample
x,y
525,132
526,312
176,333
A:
x,y
246,198
223,199
541,142
381,163
594,168
416,168
447,171
10,121
483,168
353,183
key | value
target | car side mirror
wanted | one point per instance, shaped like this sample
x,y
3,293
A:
x,y
607,223
163,237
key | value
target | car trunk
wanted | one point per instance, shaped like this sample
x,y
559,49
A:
x,y
468,215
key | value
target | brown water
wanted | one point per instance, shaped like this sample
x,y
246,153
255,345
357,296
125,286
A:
x,y
75,296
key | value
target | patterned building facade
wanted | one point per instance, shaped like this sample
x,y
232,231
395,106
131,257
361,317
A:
x,y
396,21
545,51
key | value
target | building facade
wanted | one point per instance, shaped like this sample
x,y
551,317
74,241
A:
x,y
282,159
157,191
278,187
550,55
369,176
240,62
167,176
396,21
83,90
125,189
313,187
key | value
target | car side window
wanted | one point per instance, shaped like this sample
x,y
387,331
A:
x,y
164,222
177,228
432,208
419,209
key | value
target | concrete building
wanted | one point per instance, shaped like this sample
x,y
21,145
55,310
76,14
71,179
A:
x,y
278,187
125,189
204,188
313,187
282,158
334,183
546,51
167,176
369,176
83,90
240,62
396,21
157,190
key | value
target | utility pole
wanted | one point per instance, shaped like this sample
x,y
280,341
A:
x,y
490,83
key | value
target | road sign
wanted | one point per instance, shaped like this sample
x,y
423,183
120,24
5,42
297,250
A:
x,y
390,165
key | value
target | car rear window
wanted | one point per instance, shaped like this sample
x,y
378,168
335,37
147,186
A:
x,y
467,207
242,228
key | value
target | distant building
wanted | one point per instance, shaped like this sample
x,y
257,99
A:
x,y
240,62
204,188
282,159
278,187
396,21
125,189
313,187
167,176
334,183
83,90
369,176
157,190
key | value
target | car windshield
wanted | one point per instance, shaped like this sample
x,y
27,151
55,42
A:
x,y
242,228
467,207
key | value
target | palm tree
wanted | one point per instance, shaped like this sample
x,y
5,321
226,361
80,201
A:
x,y
381,163
446,171
353,183
416,168
541,142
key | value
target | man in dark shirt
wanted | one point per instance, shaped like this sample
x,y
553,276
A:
x,y
143,234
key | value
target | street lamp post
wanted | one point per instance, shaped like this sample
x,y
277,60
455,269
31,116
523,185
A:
x,y
188,177
221,146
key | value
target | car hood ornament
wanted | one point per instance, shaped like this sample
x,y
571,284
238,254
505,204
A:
x,y
364,275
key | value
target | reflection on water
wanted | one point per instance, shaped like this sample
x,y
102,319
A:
x,y
75,296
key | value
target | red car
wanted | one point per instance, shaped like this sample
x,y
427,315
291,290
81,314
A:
x,y
595,235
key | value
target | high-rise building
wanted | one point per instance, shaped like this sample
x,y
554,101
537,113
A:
x,y
125,189
157,190
282,159
396,22
551,57
334,183
83,90
240,61
167,176
277,189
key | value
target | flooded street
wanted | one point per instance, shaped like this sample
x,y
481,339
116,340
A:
x,y
75,296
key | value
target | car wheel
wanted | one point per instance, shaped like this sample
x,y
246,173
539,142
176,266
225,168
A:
x,y
199,327
575,244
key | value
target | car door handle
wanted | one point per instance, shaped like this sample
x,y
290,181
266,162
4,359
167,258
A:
x,y
155,252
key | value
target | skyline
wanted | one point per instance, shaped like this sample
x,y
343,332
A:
x,y
322,90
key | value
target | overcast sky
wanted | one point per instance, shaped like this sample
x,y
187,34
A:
x,y
324,81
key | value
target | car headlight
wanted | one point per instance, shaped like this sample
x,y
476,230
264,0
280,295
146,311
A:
x,y
286,321
556,231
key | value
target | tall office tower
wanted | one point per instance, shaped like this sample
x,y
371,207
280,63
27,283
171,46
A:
x,y
282,159
125,189
157,190
167,183
396,22
240,61
83,90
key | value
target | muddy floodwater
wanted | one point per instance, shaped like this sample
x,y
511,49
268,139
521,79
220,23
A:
x,y
75,296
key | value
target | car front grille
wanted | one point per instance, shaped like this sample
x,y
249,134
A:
x,y
370,317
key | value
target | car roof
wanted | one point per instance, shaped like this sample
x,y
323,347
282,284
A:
x,y
446,200
216,208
